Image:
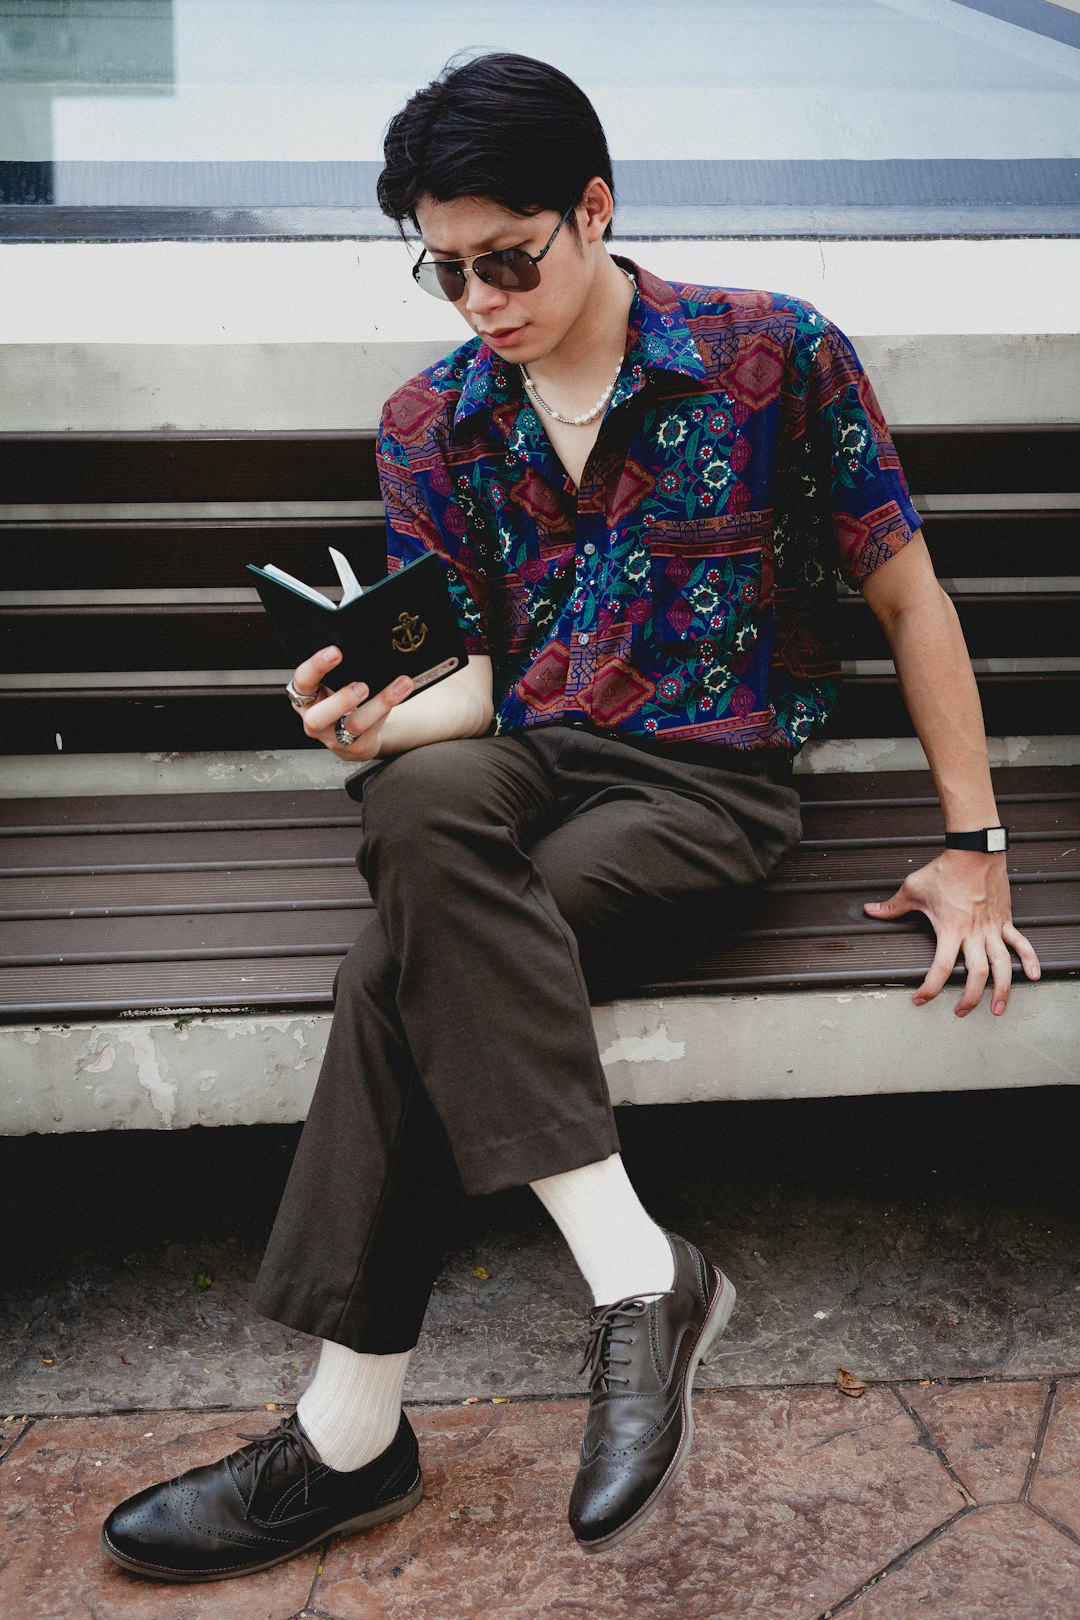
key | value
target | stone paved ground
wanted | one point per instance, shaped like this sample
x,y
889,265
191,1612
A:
x,y
930,1244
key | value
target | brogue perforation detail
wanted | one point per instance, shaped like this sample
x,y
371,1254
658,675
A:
x,y
258,1506
640,1423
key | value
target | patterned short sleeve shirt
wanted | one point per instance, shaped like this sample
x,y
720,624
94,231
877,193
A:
x,y
686,590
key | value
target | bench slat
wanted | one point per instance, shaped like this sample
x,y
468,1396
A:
x,y
865,865
206,890
340,465
168,553
331,807
231,932
1003,544
110,892
240,845
1025,705
305,981
183,636
1012,783
990,459
70,468
774,964
168,851
191,719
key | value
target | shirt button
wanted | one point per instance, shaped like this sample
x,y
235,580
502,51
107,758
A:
x,y
588,548
583,641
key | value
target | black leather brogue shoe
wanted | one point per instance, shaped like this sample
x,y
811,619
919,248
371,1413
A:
x,y
642,1356
267,1502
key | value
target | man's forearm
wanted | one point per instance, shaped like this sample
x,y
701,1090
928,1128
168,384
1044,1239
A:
x,y
942,699
460,706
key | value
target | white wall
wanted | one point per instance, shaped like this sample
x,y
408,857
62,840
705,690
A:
x,y
315,334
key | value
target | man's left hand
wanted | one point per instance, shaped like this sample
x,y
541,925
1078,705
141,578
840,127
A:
x,y
966,897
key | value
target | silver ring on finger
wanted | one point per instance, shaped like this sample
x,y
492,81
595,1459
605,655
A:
x,y
301,700
343,734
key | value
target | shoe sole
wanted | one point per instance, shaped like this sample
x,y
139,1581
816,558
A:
x,y
711,1329
364,1521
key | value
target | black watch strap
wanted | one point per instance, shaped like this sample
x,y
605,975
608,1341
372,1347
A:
x,y
988,840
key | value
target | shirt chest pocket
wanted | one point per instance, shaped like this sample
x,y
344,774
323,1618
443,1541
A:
x,y
708,596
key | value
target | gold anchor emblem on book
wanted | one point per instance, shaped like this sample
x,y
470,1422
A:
x,y
409,634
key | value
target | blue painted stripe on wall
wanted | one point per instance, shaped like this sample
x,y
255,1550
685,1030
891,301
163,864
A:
x,y
890,183
1037,16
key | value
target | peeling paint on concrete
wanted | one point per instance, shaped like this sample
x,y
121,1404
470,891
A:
x,y
103,1062
861,754
245,1070
165,1073
161,1091
656,1046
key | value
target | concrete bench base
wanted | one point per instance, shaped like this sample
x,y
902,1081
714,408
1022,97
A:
x,y
246,1069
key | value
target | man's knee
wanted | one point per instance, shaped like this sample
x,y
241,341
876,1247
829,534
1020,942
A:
x,y
402,801
428,789
368,972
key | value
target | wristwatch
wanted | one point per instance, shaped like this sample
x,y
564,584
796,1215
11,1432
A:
x,y
989,840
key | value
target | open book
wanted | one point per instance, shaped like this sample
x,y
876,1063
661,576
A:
x,y
405,624
351,587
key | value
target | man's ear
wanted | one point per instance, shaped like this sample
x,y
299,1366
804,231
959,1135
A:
x,y
599,206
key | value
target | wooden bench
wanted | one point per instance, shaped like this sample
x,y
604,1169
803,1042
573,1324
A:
x,y
168,955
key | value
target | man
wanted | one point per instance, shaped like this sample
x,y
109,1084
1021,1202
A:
x,y
641,494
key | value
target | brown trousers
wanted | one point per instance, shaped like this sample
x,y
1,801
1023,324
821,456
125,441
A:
x,y
511,877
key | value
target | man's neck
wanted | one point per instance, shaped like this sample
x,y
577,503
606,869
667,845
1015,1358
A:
x,y
593,349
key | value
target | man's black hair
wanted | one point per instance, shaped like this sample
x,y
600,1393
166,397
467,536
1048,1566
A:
x,y
507,128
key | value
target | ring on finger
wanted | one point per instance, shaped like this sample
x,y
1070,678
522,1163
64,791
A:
x,y
343,734
301,700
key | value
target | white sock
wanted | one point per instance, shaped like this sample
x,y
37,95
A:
x,y
620,1249
352,1407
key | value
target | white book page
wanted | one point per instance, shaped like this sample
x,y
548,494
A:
x,y
350,585
351,588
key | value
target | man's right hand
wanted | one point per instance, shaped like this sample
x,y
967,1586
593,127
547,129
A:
x,y
362,715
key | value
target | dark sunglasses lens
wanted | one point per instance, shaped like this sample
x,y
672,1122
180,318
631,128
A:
x,y
511,269
441,280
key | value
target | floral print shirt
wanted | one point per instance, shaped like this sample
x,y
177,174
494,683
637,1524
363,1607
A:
x,y
686,590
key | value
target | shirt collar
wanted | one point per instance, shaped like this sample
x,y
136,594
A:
x,y
489,383
657,339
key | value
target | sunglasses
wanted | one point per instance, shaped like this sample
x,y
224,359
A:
x,y
509,269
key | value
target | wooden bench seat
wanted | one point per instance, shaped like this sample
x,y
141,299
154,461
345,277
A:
x,y
128,632
251,899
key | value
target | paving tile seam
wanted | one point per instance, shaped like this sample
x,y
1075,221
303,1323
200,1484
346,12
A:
x,y
901,1560
920,1424
1040,1437
1055,1524
561,1397
310,1609
23,1432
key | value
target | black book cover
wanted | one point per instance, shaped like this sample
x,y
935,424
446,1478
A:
x,y
404,625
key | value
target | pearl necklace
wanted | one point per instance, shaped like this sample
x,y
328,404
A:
x,y
570,421
586,416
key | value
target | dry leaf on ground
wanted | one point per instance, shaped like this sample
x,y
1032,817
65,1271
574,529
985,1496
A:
x,y
848,1384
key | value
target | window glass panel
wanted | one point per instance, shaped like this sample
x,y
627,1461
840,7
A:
x,y
879,112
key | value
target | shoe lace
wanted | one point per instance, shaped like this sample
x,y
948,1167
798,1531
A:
x,y
599,1358
263,1450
